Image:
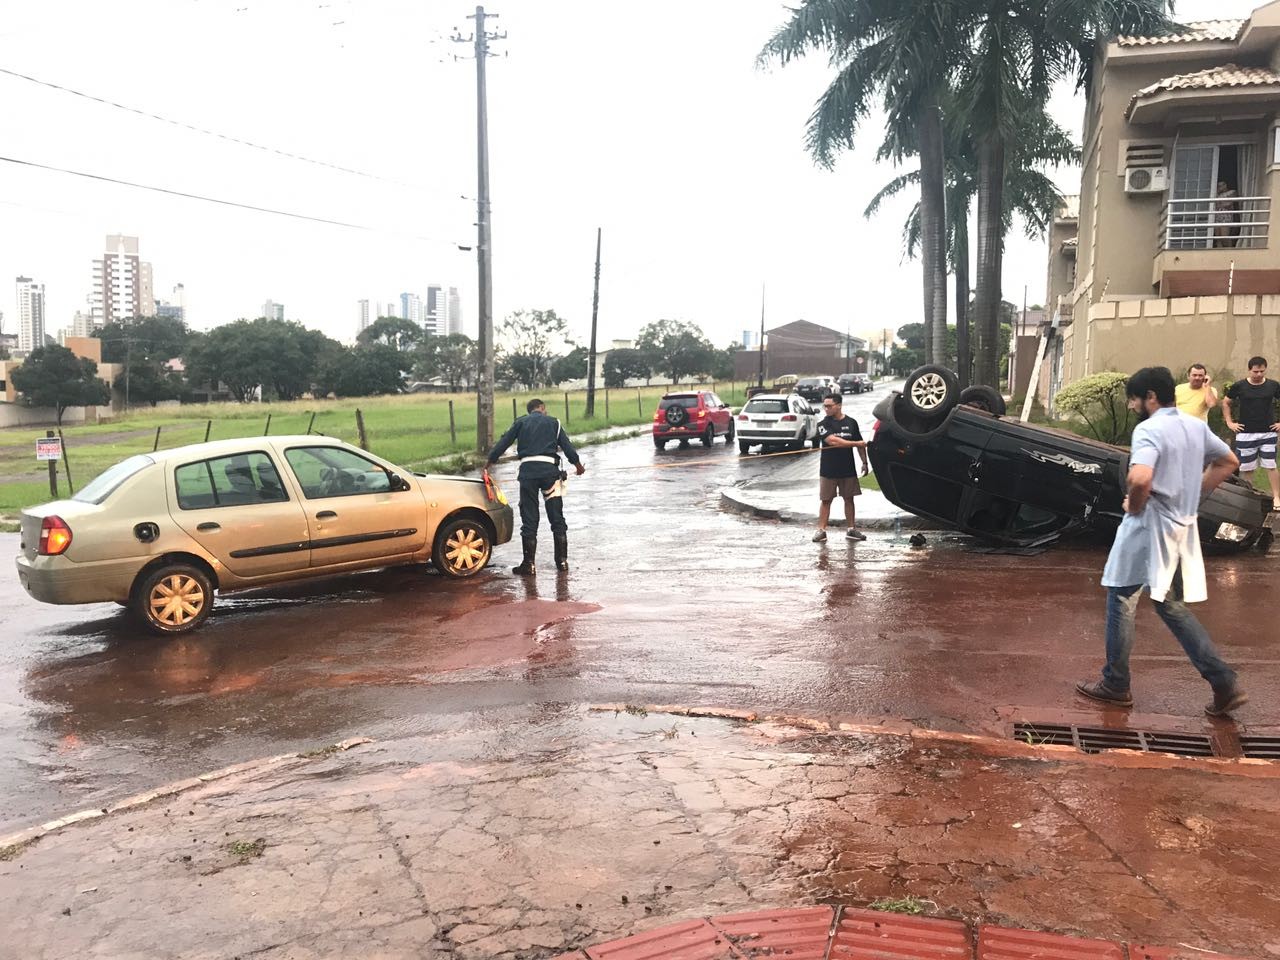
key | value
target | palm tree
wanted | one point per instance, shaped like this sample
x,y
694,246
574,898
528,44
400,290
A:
x,y
1018,50
1031,194
901,55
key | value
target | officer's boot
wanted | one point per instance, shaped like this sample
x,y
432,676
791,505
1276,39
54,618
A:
x,y
562,550
526,568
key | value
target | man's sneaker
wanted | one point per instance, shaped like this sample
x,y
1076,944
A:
x,y
852,534
820,537
1098,690
1226,702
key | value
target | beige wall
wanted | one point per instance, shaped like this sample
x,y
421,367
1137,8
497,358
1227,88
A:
x,y
1220,332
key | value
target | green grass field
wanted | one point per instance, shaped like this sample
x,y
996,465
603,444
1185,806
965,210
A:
x,y
412,431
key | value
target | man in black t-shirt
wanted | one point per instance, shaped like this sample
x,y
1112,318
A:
x,y
838,436
1249,409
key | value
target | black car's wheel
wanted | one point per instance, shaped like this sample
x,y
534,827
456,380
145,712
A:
x,y
730,434
463,547
931,391
677,415
984,398
709,437
173,598
660,443
743,447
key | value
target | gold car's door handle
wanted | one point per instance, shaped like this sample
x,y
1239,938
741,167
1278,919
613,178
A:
x,y
326,515
208,527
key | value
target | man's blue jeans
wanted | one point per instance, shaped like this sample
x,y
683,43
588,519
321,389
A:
x,y
1122,606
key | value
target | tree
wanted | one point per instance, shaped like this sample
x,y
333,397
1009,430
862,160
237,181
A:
x,y
572,366
363,371
394,332
53,376
1100,401
900,56
450,358
277,355
148,380
1018,52
4,352
722,362
623,365
156,338
530,340
676,348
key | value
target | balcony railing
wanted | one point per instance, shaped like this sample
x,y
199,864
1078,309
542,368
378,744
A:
x,y
1216,223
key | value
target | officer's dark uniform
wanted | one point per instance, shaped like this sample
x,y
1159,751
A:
x,y
539,440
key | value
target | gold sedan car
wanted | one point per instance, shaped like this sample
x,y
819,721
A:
x,y
161,532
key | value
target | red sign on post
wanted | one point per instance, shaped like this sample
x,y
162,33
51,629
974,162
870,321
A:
x,y
48,448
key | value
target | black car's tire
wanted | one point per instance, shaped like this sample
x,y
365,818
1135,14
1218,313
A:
x,y
984,398
709,437
659,443
677,415
172,598
743,447
463,547
730,434
931,391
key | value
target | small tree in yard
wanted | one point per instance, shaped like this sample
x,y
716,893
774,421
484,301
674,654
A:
x,y
1100,401
676,348
530,341
623,365
364,371
55,377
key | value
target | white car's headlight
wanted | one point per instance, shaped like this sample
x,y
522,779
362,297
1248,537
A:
x,y
1233,532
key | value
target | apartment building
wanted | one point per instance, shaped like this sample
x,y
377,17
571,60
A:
x,y
31,331
1167,255
122,283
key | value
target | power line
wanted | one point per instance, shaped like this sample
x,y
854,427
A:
x,y
225,203
211,133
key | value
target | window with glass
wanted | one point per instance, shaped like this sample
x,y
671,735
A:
x,y
239,480
335,472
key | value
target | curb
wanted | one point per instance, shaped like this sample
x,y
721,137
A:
x,y
734,500
24,838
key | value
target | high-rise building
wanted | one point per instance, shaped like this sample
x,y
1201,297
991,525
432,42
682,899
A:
x,y
30,314
122,284
411,307
454,303
435,318
175,308
272,310
365,319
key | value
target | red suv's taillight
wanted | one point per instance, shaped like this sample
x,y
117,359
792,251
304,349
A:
x,y
55,537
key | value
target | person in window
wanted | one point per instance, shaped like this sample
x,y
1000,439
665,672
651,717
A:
x,y
1226,216
838,436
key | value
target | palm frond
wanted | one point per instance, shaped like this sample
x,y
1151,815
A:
x,y
891,189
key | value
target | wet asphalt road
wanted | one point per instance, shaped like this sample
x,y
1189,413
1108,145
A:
x,y
670,601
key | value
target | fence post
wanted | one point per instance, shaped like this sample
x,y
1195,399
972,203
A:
x,y
364,440
156,446
66,463
514,418
453,430
268,427
311,423
53,471
566,406
207,427
606,403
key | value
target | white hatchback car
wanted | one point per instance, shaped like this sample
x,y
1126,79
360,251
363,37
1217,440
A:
x,y
775,420
160,532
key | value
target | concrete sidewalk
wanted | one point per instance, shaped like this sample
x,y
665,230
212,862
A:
x,y
530,840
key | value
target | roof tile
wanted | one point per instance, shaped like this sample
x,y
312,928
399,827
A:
x,y
1202,31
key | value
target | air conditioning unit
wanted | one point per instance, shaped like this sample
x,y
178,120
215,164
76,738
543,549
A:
x,y
1146,179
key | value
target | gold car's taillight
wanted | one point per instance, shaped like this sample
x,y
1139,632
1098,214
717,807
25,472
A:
x,y
492,492
55,537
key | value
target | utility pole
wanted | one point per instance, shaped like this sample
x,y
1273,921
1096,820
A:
x,y
848,345
484,248
591,354
760,382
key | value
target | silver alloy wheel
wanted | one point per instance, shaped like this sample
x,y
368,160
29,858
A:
x,y
929,391
466,550
176,600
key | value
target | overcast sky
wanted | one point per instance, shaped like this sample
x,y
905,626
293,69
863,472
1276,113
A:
x,y
652,122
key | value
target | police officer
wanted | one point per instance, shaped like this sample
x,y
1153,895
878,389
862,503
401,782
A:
x,y
538,439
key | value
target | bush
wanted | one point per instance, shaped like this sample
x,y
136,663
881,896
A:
x,y
1100,401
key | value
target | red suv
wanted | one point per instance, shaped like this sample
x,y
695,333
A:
x,y
695,415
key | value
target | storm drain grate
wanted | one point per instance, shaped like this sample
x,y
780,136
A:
x,y
1260,748
1097,739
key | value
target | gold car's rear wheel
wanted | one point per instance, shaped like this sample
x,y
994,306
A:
x,y
463,547
173,598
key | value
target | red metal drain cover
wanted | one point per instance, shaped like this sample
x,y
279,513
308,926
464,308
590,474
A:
x,y
795,934
1140,951
692,940
1001,943
891,936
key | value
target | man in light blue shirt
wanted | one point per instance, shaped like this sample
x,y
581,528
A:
x,y
1174,462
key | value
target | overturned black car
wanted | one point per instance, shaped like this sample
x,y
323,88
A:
x,y
952,456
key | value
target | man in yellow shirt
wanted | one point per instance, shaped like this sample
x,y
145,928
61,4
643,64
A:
x,y
1197,396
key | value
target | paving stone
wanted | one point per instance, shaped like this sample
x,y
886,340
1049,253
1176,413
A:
x,y
796,934
867,934
1003,943
694,940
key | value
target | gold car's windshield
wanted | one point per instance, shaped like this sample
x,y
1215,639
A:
x,y
106,483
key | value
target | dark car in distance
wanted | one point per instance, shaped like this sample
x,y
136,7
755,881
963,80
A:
x,y
856,383
952,456
816,389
